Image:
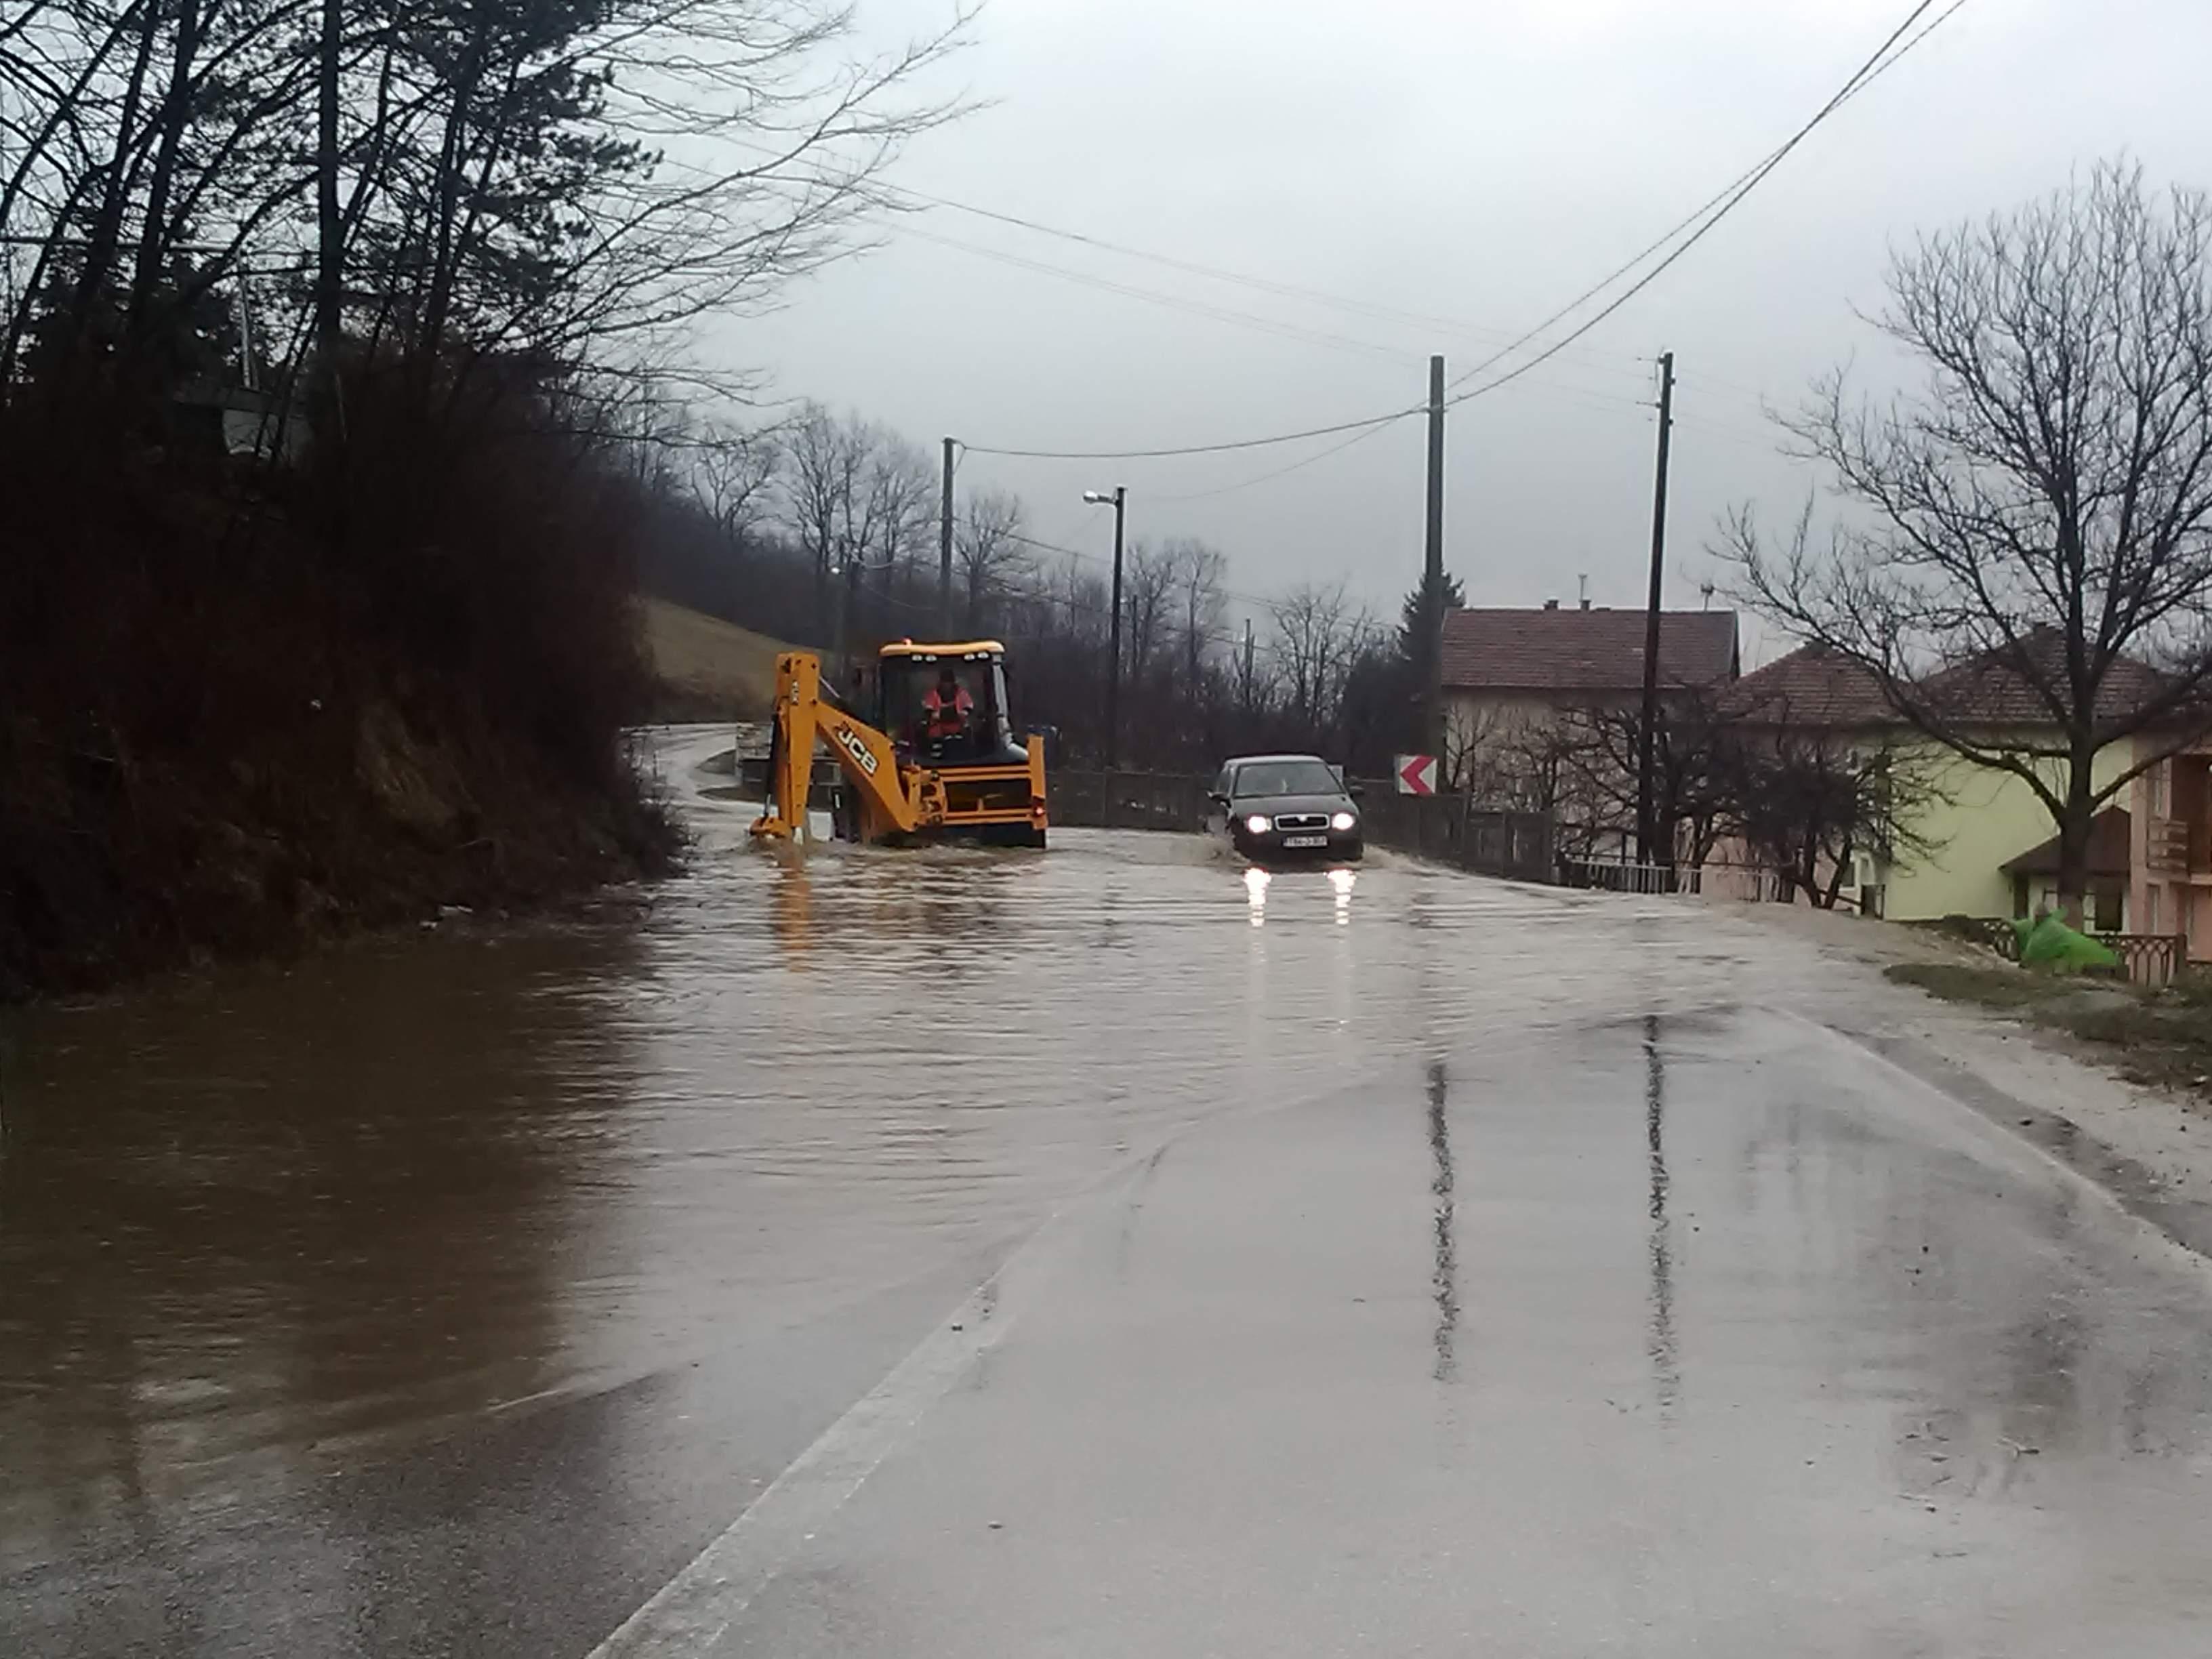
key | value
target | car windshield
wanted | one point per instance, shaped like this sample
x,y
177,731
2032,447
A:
x,y
1287,777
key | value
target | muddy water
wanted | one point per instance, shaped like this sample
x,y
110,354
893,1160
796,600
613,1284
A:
x,y
428,1178
430,1175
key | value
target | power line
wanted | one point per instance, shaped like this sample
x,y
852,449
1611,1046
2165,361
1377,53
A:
x,y
1712,212
1424,320
1281,471
1173,301
1704,219
1194,449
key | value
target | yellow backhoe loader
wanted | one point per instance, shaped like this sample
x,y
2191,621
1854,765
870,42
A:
x,y
939,762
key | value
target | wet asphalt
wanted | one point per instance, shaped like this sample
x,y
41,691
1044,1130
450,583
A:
x,y
1391,1263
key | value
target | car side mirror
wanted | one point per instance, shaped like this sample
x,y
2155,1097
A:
x,y
1357,791
1217,797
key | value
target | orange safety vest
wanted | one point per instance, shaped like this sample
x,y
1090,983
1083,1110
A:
x,y
946,715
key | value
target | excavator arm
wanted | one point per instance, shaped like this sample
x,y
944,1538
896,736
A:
x,y
996,800
802,716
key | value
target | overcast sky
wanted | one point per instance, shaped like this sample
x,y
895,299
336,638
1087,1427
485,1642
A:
x,y
1476,162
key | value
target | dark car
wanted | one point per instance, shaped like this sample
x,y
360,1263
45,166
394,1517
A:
x,y
1285,806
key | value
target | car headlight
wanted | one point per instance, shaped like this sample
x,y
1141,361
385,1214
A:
x,y
1256,824
1342,820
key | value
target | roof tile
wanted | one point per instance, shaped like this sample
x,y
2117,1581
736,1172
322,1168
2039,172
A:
x,y
1811,687
1496,649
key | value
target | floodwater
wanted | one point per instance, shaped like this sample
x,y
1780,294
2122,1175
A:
x,y
449,1291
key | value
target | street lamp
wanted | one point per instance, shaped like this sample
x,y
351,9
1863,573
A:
x,y
1119,501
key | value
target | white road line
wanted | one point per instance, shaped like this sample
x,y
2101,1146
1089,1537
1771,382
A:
x,y
688,1615
690,1612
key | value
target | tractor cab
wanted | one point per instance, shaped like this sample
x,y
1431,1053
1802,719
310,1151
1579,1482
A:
x,y
945,705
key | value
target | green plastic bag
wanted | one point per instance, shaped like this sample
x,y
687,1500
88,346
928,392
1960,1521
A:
x,y
2050,943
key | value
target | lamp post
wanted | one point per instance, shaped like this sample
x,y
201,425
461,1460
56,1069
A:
x,y
1119,501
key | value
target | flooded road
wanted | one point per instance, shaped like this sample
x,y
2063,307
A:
x,y
1391,1261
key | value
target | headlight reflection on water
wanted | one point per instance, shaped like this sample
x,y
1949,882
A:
x,y
1343,881
1256,880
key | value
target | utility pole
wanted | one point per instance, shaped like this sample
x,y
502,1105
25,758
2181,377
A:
x,y
1119,501
945,550
1113,647
1245,688
1433,571
1647,832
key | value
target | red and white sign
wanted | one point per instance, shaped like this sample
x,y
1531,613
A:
x,y
1417,774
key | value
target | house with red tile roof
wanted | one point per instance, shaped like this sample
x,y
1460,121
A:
x,y
1992,850
1512,676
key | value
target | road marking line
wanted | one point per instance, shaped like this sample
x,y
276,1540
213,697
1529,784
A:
x,y
692,1611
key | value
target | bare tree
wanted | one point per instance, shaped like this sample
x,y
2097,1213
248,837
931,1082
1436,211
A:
x,y
1807,803
1694,771
464,187
1199,603
2038,519
1148,581
735,477
989,553
827,455
896,512
1318,633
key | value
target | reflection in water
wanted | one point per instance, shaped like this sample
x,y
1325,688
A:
x,y
1444,1281
794,905
294,1209
1343,881
1255,891
406,1187
1665,1363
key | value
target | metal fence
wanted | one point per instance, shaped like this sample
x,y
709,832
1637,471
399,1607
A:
x,y
1491,842
2147,958
1746,884
1496,843
1128,800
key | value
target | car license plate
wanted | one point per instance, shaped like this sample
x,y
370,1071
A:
x,y
1305,840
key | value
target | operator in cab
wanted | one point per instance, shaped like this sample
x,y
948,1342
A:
x,y
946,707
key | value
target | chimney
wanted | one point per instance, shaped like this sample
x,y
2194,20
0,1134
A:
x,y
1551,605
1585,601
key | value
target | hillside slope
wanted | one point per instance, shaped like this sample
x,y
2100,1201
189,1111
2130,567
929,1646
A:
x,y
707,668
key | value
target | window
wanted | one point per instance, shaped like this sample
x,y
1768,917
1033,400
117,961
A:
x,y
1265,779
2161,789
2150,908
2105,907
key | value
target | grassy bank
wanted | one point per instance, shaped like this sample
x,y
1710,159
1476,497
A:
x,y
704,668
2162,1036
247,708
